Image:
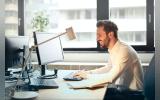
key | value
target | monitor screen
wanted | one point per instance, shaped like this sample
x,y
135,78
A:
x,y
15,49
50,51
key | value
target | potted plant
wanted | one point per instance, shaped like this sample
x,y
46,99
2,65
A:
x,y
40,21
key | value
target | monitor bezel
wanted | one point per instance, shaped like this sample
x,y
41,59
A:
x,y
37,49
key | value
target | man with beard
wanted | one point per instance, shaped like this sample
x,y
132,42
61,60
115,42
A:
x,y
123,66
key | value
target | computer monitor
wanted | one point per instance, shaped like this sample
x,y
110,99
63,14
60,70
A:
x,y
16,47
48,52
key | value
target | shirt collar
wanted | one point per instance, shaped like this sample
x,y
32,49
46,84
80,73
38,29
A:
x,y
115,47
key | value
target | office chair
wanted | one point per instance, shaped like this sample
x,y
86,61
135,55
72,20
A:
x,y
120,92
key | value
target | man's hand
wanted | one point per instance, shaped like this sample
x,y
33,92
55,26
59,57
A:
x,y
81,74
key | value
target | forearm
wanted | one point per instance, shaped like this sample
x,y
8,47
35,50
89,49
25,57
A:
x,y
100,70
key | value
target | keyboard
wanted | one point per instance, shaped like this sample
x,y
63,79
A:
x,y
70,77
10,79
43,83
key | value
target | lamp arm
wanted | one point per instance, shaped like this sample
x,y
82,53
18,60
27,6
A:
x,y
19,77
48,40
28,56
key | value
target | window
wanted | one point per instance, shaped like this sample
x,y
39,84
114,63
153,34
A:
x,y
130,16
80,14
133,17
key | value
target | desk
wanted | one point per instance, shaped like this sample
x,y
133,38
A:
x,y
64,93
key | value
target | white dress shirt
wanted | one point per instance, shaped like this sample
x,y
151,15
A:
x,y
123,67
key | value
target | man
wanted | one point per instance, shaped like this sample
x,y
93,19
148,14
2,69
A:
x,y
123,66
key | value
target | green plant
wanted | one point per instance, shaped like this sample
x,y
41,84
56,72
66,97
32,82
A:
x,y
40,21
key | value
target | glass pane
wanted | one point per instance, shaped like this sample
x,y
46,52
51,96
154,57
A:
x,y
80,14
130,17
11,17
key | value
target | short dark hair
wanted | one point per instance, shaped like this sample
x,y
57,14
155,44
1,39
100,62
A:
x,y
109,26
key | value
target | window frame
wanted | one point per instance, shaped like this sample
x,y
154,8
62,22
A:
x,y
103,13
21,18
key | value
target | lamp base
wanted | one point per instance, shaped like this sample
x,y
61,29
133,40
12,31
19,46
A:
x,y
25,95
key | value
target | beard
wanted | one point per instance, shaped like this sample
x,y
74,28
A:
x,y
104,44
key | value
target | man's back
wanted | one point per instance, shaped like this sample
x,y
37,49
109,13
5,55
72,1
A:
x,y
123,55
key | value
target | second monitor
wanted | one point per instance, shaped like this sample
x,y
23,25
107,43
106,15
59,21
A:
x,y
48,52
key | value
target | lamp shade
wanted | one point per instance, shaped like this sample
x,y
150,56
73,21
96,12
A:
x,y
70,33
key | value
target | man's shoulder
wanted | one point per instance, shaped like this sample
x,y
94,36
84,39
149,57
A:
x,y
126,49
122,43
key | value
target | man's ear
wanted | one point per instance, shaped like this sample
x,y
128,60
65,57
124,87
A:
x,y
110,34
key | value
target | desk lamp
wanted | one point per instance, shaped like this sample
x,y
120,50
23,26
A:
x,y
70,34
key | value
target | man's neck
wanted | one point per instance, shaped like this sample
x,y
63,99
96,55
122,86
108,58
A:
x,y
112,43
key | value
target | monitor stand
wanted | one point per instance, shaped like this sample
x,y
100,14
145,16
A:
x,y
44,81
49,76
43,69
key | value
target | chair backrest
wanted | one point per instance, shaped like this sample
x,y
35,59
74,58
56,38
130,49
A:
x,y
149,81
